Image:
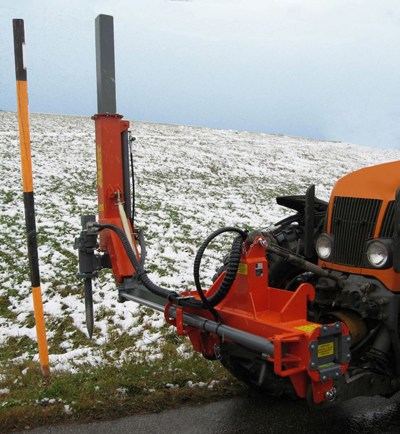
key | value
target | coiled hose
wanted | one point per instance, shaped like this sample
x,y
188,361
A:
x,y
172,296
233,264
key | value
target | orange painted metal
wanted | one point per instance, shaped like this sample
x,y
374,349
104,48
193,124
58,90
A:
x,y
180,328
251,305
109,130
275,314
376,182
388,277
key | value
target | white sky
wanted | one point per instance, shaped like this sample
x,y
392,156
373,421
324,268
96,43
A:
x,y
327,69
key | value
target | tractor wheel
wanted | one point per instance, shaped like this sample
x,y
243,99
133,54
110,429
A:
x,y
245,365
256,373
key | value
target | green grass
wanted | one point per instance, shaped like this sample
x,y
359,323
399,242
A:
x,y
105,392
189,182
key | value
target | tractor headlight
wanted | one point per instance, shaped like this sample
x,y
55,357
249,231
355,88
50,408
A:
x,y
377,253
324,246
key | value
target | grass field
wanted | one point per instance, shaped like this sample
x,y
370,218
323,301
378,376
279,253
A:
x,y
189,181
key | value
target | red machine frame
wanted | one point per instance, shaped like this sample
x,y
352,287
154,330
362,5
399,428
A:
x,y
278,315
312,355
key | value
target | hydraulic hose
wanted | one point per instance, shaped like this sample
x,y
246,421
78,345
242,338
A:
x,y
143,251
233,264
172,296
140,271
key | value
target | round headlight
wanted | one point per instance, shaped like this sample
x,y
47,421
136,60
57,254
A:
x,y
324,246
377,254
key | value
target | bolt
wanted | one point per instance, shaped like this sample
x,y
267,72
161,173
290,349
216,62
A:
x,y
330,395
312,346
263,243
348,356
337,325
323,377
337,374
312,364
348,339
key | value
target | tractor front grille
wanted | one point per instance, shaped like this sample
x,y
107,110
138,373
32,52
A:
x,y
387,229
353,223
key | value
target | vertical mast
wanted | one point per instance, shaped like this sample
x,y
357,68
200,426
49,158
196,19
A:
x,y
106,96
112,151
27,184
105,65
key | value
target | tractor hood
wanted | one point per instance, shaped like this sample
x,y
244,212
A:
x,y
376,182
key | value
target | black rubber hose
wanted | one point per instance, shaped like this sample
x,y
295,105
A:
x,y
172,296
140,271
142,244
234,260
133,190
133,194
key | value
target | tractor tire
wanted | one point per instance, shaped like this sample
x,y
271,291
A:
x,y
257,374
248,367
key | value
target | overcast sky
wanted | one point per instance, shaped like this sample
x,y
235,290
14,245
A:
x,y
326,69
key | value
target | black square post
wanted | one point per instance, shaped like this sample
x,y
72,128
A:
x,y
105,65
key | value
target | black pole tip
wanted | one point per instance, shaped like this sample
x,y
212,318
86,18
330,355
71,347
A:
x,y
19,42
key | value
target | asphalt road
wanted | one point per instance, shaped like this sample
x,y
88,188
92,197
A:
x,y
254,414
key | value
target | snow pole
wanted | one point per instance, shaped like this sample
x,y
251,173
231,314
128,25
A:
x,y
27,184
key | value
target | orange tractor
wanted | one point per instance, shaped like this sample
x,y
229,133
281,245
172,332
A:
x,y
308,308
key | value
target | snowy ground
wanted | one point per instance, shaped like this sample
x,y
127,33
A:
x,y
189,181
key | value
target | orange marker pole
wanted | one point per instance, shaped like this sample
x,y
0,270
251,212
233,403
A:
x,y
27,183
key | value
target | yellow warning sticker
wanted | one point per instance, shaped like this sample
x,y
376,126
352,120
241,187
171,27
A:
x,y
308,328
243,269
325,350
99,167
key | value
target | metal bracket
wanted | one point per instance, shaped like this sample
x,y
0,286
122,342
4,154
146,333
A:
x,y
329,351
